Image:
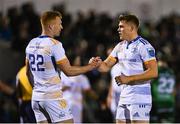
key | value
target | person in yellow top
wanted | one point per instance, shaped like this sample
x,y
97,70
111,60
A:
x,y
24,93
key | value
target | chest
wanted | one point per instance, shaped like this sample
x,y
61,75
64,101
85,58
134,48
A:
x,y
128,53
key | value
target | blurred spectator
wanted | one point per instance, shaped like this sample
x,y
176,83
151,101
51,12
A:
x,y
163,93
8,104
103,113
22,38
28,14
5,30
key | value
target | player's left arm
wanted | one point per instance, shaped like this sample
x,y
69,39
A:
x,y
150,73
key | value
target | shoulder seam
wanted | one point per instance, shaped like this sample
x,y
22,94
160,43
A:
x,y
54,41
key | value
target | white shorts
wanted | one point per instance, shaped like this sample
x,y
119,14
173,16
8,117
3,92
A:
x,y
133,112
52,111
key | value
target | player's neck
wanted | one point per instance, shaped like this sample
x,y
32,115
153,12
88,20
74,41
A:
x,y
47,33
132,37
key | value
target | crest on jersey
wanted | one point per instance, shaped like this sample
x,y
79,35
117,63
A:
x,y
63,103
134,50
151,52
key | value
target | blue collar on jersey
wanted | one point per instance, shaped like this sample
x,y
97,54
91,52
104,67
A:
x,y
133,41
43,36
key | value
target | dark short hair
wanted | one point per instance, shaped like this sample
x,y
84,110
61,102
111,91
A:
x,y
48,16
129,18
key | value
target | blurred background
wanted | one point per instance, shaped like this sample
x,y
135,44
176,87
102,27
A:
x,y
90,28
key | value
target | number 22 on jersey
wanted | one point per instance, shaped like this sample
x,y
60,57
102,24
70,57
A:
x,y
36,62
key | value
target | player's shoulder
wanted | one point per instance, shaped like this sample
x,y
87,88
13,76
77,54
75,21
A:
x,y
143,41
54,41
121,42
33,40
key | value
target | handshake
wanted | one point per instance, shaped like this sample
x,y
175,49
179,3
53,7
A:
x,y
95,62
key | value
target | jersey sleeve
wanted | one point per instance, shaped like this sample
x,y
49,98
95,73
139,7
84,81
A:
x,y
113,54
147,52
58,52
114,51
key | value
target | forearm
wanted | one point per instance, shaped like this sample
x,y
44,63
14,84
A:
x,y
103,67
138,79
77,70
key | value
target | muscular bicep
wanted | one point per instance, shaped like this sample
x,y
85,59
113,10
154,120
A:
x,y
151,66
64,65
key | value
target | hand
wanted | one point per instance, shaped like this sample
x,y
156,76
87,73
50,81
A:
x,y
91,60
95,62
122,79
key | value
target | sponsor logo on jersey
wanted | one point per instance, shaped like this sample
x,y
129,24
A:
x,y
134,50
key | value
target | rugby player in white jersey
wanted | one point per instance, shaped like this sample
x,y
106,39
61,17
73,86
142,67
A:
x,y
44,55
114,90
136,59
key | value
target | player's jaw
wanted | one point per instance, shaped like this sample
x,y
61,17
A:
x,y
58,32
121,36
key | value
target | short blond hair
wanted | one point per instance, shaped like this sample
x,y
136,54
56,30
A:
x,y
49,16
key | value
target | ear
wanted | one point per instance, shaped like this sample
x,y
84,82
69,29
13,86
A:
x,y
51,27
132,28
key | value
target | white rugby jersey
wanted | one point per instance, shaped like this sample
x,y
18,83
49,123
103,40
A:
x,y
74,95
43,53
77,84
115,71
131,56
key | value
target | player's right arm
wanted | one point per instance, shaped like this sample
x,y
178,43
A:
x,y
63,62
110,61
69,70
107,64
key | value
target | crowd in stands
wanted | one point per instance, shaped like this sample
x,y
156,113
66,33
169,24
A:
x,y
88,34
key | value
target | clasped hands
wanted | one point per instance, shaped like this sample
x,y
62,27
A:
x,y
95,62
